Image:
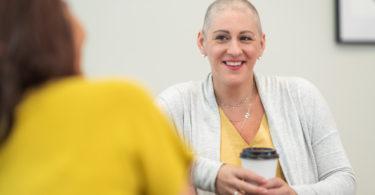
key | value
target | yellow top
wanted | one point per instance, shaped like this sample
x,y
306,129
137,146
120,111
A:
x,y
232,143
81,137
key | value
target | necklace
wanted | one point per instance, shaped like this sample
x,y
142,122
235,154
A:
x,y
237,108
233,106
245,117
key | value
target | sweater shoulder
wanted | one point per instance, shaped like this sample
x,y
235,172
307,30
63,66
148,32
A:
x,y
284,84
180,91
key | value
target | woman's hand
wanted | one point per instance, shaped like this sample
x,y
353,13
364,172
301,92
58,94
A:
x,y
235,180
277,186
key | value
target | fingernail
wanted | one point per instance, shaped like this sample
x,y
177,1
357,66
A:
x,y
264,190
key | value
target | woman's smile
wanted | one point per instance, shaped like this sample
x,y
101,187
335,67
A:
x,y
234,64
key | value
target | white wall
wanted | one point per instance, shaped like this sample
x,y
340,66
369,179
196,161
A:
x,y
154,41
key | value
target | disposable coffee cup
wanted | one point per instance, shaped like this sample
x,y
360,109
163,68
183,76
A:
x,y
262,161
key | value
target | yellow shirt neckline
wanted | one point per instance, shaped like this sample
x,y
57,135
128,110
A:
x,y
232,143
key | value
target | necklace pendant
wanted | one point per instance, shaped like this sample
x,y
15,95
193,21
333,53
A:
x,y
247,115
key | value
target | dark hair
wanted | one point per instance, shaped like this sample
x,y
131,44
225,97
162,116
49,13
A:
x,y
36,45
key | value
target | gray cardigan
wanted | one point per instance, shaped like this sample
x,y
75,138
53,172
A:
x,y
303,131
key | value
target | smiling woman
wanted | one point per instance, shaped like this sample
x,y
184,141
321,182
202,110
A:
x,y
234,108
232,50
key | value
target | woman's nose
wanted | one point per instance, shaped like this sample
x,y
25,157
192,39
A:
x,y
234,48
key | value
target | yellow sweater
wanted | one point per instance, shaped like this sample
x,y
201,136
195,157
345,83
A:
x,y
80,137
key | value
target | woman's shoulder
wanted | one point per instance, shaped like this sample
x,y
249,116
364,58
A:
x,y
297,89
290,83
80,100
119,86
188,89
108,86
180,90
79,89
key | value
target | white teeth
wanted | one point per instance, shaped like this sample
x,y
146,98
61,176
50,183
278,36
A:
x,y
233,63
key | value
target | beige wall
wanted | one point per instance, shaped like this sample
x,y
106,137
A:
x,y
154,41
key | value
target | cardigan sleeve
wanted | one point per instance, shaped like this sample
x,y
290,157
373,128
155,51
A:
x,y
204,170
204,173
333,167
169,103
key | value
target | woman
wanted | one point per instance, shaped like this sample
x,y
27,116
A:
x,y
234,108
63,134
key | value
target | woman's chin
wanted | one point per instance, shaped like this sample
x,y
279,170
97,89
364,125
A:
x,y
234,81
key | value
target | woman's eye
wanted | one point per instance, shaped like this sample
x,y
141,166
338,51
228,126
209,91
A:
x,y
246,38
221,38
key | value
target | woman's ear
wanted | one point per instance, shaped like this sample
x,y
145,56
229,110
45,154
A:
x,y
200,43
262,44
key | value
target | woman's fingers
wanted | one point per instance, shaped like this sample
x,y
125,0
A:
x,y
277,186
249,188
231,179
250,176
225,180
274,183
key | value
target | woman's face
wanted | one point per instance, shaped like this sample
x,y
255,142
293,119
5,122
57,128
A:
x,y
78,36
232,44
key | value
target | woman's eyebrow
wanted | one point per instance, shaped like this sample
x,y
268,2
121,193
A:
x,y
221,31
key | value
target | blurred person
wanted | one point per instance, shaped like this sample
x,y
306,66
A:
x,y
234,108
63,134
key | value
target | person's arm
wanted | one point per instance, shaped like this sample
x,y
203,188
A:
x,y
334,170
189,189
163,160
204,173
204,170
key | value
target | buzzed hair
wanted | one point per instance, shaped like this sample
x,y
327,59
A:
x,y
220,5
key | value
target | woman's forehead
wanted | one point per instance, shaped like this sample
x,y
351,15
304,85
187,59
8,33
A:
x,y
232,18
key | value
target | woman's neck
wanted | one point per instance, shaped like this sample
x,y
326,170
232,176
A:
x,y
234,94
